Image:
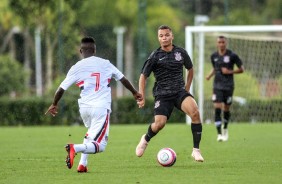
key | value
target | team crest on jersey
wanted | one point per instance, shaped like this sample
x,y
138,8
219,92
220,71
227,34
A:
x,y
226,59
157,104
178,56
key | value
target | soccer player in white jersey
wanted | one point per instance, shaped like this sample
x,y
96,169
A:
x,y
92,74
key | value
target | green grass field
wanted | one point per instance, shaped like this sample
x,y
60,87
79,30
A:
x,y
253,154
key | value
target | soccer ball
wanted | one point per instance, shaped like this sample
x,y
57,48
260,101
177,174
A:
x,y
166,157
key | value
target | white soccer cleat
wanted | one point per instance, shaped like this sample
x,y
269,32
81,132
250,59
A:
x,y
196,154
141,146
220,138
225,134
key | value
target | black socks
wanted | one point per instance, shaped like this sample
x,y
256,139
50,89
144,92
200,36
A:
x,y
150,134
226,117
197,134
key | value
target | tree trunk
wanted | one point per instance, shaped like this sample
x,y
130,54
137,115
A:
x,y
128,56
12,50
49,62
27,57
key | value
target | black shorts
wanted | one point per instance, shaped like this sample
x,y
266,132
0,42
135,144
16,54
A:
x,y
164,104
222,96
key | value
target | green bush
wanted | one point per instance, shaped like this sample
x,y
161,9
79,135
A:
x,y
30,111
12,76
252,111
126,111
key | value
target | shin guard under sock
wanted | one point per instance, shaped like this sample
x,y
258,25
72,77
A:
x,y
197,134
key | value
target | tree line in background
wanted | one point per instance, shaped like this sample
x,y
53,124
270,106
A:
x,y
62,23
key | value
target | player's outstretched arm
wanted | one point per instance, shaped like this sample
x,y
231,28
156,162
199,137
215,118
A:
x,y
142,84
53,109
189,79
210,74
130,87
239,70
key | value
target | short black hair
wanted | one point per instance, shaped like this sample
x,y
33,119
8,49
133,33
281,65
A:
x,y
88,39
164,27
89,43
221,37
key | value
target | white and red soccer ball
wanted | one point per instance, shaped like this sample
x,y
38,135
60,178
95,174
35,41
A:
x,y
166,157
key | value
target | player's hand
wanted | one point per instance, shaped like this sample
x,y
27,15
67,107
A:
x,y
141,103
226,71
138,96
53,110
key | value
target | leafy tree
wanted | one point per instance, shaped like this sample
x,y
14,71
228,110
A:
x,y
124,13
12,76
273,10
56,20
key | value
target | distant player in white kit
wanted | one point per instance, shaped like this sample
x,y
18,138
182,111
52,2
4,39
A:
x,y
92,75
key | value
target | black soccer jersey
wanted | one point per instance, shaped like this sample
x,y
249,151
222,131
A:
x,y
228,60
168,70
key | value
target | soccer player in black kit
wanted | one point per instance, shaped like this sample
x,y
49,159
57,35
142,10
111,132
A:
x,y
223,61
169,90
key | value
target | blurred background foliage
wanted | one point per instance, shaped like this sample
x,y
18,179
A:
x,y
62,23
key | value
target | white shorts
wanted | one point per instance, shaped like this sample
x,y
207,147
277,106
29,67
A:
x,y
97,120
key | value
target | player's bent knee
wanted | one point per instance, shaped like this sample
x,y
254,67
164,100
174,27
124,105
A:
x,y
101,148
157,126
195,116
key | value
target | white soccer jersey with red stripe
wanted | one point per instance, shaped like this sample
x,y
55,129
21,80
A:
x,y
93,76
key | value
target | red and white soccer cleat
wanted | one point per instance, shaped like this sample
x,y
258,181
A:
x,y
82,168
70,156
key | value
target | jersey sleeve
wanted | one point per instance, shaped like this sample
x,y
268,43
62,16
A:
x,y
237,60
70,79
187,61
212,60
116,74
148,65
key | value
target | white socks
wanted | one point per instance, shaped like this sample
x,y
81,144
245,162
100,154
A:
x,y
85,148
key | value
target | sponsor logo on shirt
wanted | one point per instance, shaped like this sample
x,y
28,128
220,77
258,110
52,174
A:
x,y
178,56
215,59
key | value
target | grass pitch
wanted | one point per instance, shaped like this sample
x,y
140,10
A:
x,y
36,155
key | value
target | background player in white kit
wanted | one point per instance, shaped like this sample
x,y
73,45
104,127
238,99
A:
x,y
92,74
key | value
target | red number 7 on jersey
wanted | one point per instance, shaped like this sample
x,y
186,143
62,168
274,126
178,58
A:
x,y
97,75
